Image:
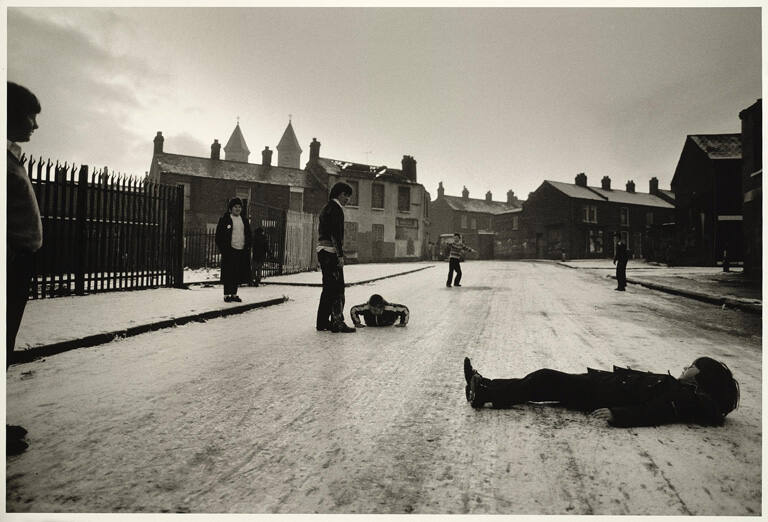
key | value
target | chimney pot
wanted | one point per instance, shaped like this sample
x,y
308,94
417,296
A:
x,y
581,179
631,186
215,150
266,157
465,193
653,185
314,150
409,167
440,190
488,196
159,142
510,197
606,182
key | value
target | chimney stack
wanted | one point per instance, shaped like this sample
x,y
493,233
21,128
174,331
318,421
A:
x,y
631,186
409,168
266,157
581,179
465,193
510,197
606,182
159,142
653,185
440,190
314,150
215,150
488,196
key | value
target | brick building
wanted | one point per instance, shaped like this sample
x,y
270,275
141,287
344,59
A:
x,y
473,218
709,199
752,187
210,182
580,221
385,220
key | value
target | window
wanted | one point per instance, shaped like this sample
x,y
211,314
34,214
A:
x,y
350,236
649,218
590,213
377,231
624,216
594,241
406,228
377,195
404,199
463,221
244,193
473,223
515,222
187,190
426,205
353,200
296,201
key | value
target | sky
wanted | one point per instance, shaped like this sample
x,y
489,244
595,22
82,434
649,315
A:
x,y
488,98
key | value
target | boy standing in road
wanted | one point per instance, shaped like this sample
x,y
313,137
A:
x,y
330,255
456,252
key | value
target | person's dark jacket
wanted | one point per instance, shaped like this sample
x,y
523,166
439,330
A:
x,y
331,227
260,248
638,398
224,233
622,254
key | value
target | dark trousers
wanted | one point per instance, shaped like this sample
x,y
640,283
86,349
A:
x,y
542,385
257,266
331,307
232,262
621,274
454,264
18,275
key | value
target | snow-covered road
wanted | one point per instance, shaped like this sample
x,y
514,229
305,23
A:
x,y
260,413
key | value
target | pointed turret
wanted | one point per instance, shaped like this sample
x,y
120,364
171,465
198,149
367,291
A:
x,y
236,149
288,150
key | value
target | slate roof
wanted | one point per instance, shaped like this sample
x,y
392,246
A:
x,y
231,170
718,146
614,196
362,171
289,141
236,141
477,205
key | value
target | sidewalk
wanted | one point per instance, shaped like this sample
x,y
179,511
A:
x,y
59,324
704,283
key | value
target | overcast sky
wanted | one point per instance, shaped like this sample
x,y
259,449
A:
x,y
494,99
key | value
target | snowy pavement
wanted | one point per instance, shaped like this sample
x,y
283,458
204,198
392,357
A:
x,y
260,413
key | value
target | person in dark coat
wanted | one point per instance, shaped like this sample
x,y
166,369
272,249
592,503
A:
x,y
233,238
24,230
379,312
620,259
703,394
260,253
330,256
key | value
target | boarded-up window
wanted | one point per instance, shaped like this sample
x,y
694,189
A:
x,y
353,201
404,199
296,201
377,195
406,228
377,231
350,236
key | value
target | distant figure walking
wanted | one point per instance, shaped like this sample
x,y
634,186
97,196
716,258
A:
x,y
455,256
233,238
703,394
330,255
24,230
378,312
260,254
620,259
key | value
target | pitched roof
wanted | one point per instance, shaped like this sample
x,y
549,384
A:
x,y
362,171
231,170
614,196
289,141
718,146
477,205
236,141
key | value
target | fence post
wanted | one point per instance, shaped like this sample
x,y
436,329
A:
x,y
82,189
178,278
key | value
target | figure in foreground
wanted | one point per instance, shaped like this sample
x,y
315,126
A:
x,y
703,394
378,312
